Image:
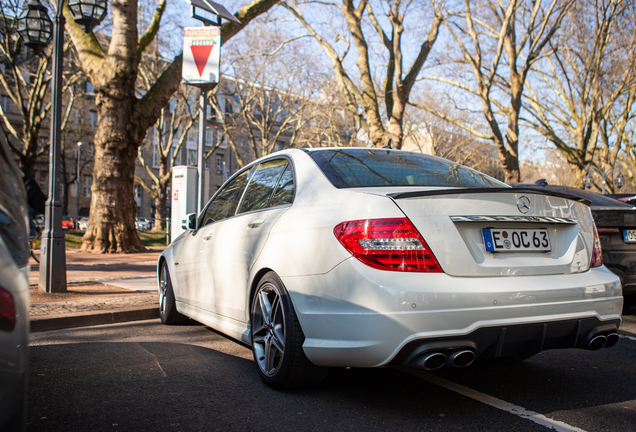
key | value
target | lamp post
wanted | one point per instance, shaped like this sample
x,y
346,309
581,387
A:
x,y
78,176
34,26
588,182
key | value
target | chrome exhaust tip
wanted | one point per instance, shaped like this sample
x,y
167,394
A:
x,y
612,339
463,358
597,343
431,362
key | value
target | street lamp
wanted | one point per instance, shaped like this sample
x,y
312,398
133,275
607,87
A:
x,y
33,28
87,13
588,182
79,172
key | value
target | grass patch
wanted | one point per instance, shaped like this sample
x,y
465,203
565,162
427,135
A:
x,y
73,239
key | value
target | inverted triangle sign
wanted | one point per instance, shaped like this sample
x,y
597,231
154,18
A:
x,y
201,53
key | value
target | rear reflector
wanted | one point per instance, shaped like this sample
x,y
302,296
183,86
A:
x,y
387,244
609,231
7,311
597,253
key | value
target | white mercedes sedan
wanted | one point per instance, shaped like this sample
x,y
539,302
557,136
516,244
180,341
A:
x,y
357,257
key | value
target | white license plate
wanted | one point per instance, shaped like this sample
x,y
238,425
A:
x,y
517,240
629,236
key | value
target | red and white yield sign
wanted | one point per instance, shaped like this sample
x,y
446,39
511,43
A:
x,y
201,55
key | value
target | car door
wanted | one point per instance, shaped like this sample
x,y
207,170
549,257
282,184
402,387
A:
x,y
195,270
239,241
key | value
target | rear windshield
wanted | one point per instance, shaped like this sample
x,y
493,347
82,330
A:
x,y
352,168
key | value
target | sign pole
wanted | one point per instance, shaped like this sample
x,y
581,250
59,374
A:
x,y
201,68
203,105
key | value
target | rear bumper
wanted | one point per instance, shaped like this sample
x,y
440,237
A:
x,y
361,317
514,340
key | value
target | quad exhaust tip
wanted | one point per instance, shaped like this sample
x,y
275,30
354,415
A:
x,y
612,339
598,342
432,361
463,358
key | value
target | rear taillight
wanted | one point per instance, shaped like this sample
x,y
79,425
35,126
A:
x,y
7,311
597,253
387,244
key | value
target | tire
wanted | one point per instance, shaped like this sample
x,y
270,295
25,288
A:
x,y
277,339
167,306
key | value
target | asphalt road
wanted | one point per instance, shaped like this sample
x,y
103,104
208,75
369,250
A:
x,y
144,376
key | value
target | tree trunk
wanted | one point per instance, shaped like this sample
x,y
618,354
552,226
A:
x,y
123,118
111,226
161,209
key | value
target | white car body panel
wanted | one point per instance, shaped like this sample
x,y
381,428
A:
x,y
354,315
359,323
459,247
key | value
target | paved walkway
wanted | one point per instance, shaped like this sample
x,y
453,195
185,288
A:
x,y
101,289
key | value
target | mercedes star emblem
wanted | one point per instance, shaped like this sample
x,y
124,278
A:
x,y
523,204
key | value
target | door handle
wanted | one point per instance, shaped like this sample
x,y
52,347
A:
x,y
256,223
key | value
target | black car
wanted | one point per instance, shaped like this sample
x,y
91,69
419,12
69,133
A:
x,y
616,224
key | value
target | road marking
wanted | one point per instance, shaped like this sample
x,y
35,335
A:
x,y
494,402
627,337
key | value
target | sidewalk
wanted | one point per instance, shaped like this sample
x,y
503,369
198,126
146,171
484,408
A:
x,y
102,289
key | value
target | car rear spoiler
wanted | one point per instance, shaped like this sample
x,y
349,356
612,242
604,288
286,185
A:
x,y
472,191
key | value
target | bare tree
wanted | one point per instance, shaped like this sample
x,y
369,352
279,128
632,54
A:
x,y
584,97
361,88
274,96
497,39
427,133
124,117
168,135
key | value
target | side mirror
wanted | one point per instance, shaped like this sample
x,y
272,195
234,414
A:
x,y
190,222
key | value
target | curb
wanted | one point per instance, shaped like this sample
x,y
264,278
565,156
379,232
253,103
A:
x,y
66,321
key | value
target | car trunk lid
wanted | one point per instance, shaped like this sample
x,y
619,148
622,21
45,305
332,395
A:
x,y
452,222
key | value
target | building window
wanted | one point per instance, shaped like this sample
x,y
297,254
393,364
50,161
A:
x,y
177,160
192,157
191,139
137,190
90,90
7,104
209,137
219,163
92,117
155,155
86,186
91,150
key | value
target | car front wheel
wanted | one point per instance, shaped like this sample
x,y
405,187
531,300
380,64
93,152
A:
x,y
277,339
167,306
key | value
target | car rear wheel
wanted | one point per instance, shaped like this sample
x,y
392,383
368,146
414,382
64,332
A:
x,y
277,339
167,307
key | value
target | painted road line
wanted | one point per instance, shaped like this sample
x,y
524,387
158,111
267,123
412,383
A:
x,y
494,402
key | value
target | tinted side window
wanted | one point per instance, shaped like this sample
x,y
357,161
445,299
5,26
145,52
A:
x,y
284,193
224,204
262,185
